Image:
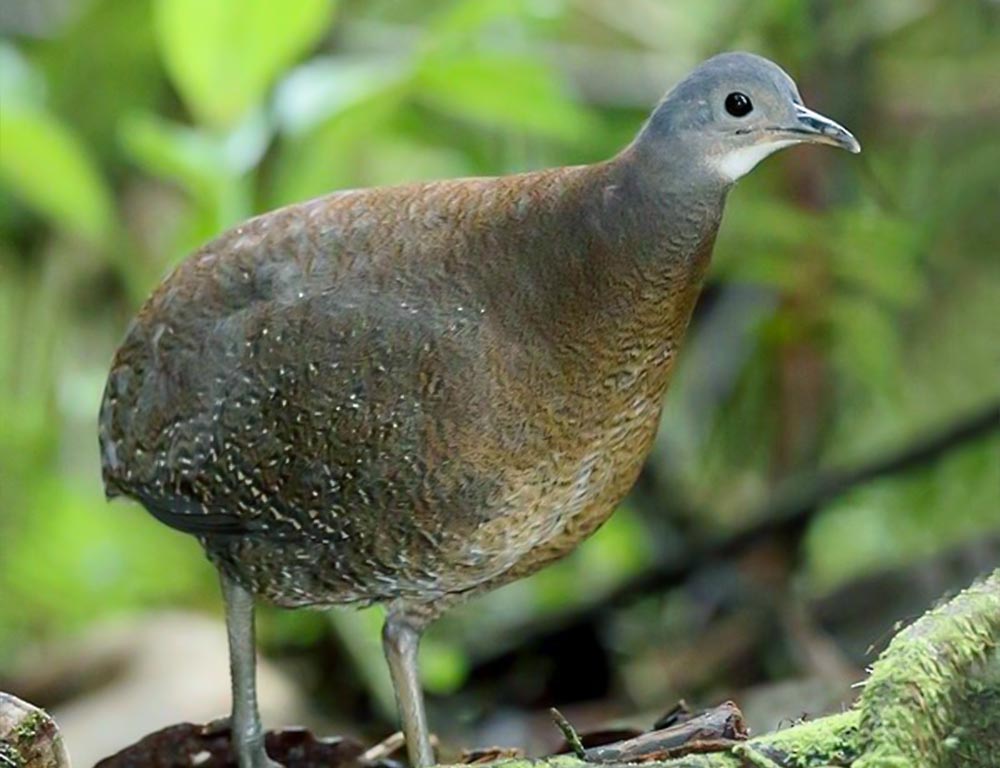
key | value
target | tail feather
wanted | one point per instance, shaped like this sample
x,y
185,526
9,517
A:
x,y
189,516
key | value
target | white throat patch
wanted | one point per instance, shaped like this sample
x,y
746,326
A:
x,y
739,162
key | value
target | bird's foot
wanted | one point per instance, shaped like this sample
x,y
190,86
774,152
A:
x,y
248,755
256,759
251,754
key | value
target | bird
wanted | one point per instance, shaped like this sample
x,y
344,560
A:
x,y
410,395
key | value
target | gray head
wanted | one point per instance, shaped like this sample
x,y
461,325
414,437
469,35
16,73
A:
x,y
733,111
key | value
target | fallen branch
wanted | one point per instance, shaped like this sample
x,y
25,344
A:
x,y
715,730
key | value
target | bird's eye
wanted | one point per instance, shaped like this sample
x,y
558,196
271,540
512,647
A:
x,y
738,104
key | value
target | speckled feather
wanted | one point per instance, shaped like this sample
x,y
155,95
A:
x,y
410,394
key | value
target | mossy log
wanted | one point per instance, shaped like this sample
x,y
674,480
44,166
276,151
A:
x,y
932,700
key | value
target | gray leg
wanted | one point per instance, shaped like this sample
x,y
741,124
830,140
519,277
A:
x,y
247,734
400,640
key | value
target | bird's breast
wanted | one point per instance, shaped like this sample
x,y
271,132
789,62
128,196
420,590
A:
x,y
572,493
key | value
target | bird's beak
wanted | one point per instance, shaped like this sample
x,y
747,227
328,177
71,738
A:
x,y
814,127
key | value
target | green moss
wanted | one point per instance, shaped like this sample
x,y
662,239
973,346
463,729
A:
x,y
974,742
9,755
12,747
30,727
33,741
828,740
916,700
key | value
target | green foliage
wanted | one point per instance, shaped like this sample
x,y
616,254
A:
x,y
342,147
76,570
45,163
209,168
894,522
531,99
223,55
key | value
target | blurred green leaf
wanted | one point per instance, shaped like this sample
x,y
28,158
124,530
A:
x,y
621,549
109,558
103,65
359,631
766,240
900,520
47,166
465,17
327,86
399,161
194,158
876,253
332,156
175,152
19,82
865,344
444,666
223,55
211,168
291,629
531,98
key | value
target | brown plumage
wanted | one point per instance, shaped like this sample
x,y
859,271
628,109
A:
x,y
404,393
408,395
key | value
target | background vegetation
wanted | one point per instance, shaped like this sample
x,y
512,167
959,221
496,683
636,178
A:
x,y
852,305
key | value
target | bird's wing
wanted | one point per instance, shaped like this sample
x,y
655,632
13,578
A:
x,y
291,410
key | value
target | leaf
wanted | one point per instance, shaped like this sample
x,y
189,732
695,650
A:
x,y
329,156
101,65
444,666
223,55
470,16
506,91
212,169
175,152
19,82
327,86
878,254
766,241
45,164
400,160
865,342
109,559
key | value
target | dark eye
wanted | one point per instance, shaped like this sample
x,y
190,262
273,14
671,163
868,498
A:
x,y
738,104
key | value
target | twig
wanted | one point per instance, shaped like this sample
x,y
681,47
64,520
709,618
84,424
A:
x,y
383,749
569,733
678,713
710,731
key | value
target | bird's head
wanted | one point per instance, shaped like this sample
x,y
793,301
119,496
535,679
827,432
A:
x,y
736,109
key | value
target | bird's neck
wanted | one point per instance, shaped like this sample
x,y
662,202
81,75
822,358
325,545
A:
x,y
649,225
668,210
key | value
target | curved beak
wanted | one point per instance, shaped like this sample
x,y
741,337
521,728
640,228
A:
x,y
813,127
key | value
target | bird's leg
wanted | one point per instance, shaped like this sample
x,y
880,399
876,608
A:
x,y
400,641
247,733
